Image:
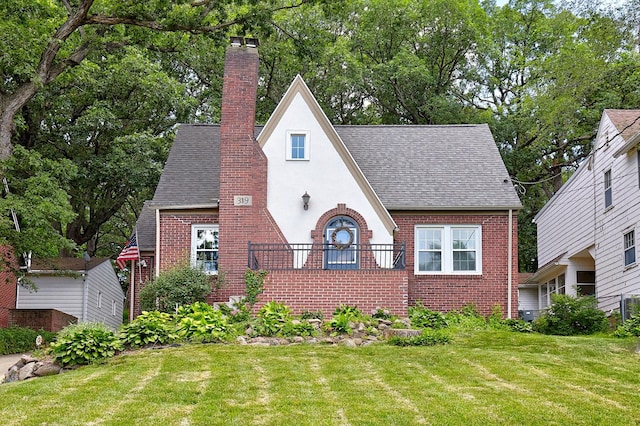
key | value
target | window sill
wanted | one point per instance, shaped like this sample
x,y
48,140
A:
x,y
630,266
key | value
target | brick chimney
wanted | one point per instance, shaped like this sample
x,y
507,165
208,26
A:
x,y
243,214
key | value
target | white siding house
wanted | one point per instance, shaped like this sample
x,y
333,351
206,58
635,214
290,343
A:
x,y
587,232
90,291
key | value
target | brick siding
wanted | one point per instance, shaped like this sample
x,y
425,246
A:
x,y
41,319
8,284
325,290
447,292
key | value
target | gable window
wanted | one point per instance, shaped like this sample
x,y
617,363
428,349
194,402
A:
x,y
448,249
608,195
204,248
297,145
629,248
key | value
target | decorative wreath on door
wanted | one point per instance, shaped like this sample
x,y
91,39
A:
x,y
342,238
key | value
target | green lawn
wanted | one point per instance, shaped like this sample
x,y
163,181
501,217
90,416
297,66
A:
x,y
482,377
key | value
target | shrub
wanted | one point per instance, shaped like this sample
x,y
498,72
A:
x,y
569,316
238,313
254,284
14,340
381,313
342,320
272,319
84,343
518,325
467,318
422,317
150,328
301,328
427,338
630,327
307,315
176,287
200,322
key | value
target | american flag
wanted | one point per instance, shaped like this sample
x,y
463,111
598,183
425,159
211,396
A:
x,y
129,252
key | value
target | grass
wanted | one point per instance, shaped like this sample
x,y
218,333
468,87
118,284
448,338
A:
x,y
482,377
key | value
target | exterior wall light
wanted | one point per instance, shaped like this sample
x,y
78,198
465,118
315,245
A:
x,y
305,200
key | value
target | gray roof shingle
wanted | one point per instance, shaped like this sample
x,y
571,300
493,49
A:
x,y
448,167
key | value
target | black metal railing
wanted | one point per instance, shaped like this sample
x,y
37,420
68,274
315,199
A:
x,y
279,257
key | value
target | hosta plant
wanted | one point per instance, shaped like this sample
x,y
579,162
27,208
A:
x,y
201,322
84,343
149,328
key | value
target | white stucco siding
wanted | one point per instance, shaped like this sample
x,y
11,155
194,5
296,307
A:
x,y
324,176
566,225
63,293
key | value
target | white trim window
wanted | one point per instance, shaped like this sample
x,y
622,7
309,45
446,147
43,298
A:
x,y
297,145
608,191
448,249
629,248
204,248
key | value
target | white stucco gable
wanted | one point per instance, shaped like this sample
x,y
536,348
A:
x,y
327,171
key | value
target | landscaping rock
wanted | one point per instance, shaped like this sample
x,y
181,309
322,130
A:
x,y
401,332
27,371
46,368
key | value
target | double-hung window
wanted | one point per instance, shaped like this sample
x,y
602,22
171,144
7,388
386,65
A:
x,y
448,249
297,145
608,194
204,248
629,248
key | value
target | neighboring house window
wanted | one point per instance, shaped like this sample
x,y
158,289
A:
x,y
297,145
608,195
586,283
448,249
629,248
561,284
204,248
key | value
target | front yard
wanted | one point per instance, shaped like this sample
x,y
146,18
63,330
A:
x,y
483,377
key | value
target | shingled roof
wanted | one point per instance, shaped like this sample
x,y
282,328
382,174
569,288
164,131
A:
x,y
447,167
627,121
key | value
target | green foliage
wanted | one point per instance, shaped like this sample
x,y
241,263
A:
x,y
254,283
342,320
427,338
569,316
518,325
467,318
422,317
273,317
38,195
298,328
306,315
149,328
14,340
238,313
630,327
84,343
179,286
381,313
200,322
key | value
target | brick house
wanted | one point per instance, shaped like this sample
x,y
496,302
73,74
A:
x,y
373,216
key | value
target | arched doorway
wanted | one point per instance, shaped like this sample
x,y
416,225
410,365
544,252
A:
x,y
341,236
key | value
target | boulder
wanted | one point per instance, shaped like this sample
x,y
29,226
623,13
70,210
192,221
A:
x,y
46,368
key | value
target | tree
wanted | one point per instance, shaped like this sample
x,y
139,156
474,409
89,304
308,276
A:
x,y
95,83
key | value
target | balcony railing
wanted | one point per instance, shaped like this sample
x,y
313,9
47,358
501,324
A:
x,y
279,257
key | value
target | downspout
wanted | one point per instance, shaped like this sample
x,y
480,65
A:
x,y
510,264
132,289
157,242
85,295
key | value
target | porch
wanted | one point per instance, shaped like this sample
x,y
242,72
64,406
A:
x,y
327,256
